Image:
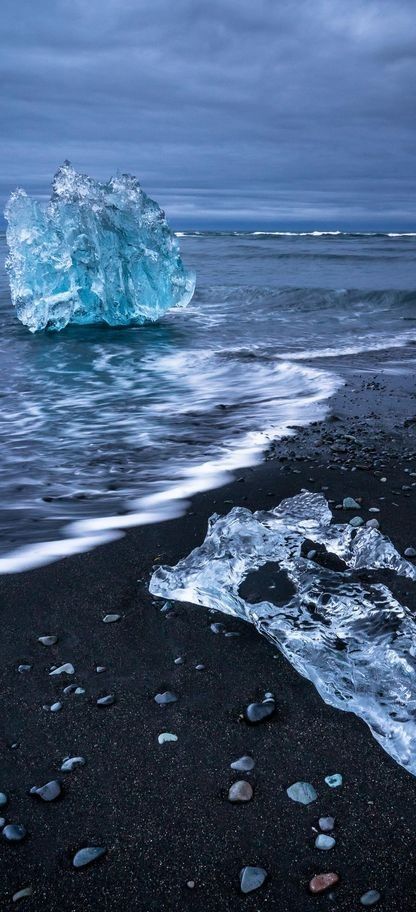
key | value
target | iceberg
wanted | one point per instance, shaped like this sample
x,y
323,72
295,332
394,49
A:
x,y
340,625
96,253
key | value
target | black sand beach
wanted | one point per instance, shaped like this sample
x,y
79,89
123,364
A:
x,y
161,811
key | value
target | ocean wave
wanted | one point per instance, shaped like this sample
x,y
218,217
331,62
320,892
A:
x,y
294,234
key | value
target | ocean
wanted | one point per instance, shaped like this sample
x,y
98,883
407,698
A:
x,y
102,429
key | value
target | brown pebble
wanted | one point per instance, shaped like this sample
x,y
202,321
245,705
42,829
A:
x,y
322,882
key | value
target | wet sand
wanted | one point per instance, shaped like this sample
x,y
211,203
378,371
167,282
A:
x,y
162,810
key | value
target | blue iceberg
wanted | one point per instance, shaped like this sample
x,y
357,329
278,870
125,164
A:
x,y
96,253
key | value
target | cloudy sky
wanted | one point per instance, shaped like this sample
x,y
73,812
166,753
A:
x,y
231,112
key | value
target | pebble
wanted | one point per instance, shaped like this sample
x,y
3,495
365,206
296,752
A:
x,y
70,763
350,504
2,822
14,832
324,842
326,824
111,618
322,882
67,668
22,894
100,668
356,521
166,736
3,799
374,509
22,669
190,884
48,792
48,640
179,660
334,781
240,791
372,524
303,792
167,697
410,552
69,689
370,898
86,856
56,707
311,555
217,628
108,700
244,764
251,878
79,691
199,667
257,712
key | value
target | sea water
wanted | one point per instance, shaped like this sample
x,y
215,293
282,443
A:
x,y
102,429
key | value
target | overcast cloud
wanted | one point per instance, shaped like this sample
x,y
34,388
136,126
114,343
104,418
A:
x,y
240,112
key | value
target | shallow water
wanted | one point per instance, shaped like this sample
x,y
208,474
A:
x,y
101,429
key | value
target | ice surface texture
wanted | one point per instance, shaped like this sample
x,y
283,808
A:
x,y
343,628
97,253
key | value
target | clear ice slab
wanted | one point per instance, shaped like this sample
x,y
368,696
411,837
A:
x,y
96,253
341,626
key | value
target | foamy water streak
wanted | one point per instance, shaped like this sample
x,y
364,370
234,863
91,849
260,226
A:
x,y
310,390
351,638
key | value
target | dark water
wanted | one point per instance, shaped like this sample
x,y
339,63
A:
x,y
101,429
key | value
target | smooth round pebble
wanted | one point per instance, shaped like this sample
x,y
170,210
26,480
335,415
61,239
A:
x,y
257,712
108,700
240,791
251,878
86,856
244,764
48,792
322,882
326,824
303,792
3,799
167,697
23,669
111,618
410,552
48,640
370,898
190,884
56,707
350,504
217,628
324,842
179,661
356,521
14,832
70,763
164,737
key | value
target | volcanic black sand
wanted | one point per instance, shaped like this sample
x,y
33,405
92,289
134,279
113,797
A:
x,y
161,811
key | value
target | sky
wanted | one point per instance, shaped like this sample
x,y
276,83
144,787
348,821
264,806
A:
x,y
232,113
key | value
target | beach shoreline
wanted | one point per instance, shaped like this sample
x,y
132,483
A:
x,y
162,810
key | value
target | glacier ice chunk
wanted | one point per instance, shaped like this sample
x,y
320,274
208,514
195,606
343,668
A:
x,y
96,253
343,629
